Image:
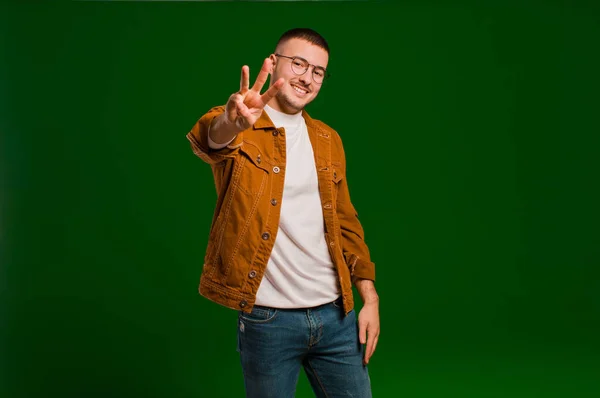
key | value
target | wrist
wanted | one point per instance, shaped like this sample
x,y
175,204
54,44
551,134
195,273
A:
x,y
371,299
222,129
366,289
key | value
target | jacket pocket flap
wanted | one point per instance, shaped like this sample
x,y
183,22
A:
x,y
336,174
253,153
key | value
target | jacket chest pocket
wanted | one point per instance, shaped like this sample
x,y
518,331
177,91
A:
x,y
251,173
337,176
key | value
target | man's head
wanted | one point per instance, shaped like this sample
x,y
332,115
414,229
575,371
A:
x,y
301,58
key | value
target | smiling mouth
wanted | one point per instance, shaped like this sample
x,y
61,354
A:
x,y
299,90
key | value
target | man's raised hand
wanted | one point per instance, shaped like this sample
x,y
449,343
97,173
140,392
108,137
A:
x,y
245,107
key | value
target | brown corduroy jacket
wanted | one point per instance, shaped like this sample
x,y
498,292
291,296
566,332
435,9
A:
x,y
249,177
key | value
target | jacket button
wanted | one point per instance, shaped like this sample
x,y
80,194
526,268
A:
x,y
252,274
273,201
275,132
266,236
243,303
276,169
327,206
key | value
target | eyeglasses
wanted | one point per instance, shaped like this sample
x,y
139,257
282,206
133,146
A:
x,y
300,66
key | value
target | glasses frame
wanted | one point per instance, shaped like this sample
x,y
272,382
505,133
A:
x,y
326,75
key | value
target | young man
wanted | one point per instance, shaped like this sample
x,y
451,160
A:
x,y
285,243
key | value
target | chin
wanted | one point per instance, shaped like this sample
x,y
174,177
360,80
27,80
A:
x,y
294,104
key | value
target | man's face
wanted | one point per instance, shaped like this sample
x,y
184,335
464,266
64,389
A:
x,y
297,90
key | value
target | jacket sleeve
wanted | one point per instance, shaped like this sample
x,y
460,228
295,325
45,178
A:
x,y
198,138
354,247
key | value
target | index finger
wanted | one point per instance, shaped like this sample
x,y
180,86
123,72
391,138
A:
x,y
262,76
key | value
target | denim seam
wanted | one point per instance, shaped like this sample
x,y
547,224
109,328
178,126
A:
x,y
320,331
246,227
310,329
223,290
318,378
219,234
353,264
271,317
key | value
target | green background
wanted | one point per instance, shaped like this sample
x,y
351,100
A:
x,y
471,133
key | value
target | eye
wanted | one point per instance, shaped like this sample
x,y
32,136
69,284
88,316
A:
x,y
320,72
298,63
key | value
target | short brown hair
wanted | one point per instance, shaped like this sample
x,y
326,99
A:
x,y
307,34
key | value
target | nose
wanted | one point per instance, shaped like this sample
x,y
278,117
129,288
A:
x,y
305,78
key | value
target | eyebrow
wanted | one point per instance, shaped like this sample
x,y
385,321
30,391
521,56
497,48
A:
x,y
318,66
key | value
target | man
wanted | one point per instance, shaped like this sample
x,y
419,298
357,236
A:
x,y
285,244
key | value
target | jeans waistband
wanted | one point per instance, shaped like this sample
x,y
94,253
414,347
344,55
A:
x,y
338,301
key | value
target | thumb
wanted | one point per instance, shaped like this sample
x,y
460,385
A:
x,y
362,333
232,106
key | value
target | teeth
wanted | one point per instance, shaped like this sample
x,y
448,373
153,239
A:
x,y
300,90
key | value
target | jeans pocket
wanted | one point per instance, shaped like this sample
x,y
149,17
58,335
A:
x,y
338,303
259,314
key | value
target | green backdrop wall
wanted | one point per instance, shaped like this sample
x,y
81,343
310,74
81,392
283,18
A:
x,y
471,131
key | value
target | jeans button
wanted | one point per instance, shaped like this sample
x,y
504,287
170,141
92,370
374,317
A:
x,y
274,202
252,274
276,169
266,236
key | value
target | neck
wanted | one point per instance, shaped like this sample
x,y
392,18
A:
x,y
283,119
276,105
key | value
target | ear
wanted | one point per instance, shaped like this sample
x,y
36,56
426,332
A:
x,y
273,59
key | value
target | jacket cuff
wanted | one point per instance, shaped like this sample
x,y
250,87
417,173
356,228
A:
x,y
199,140
359,267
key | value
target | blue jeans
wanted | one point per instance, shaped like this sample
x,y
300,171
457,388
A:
x,y
275,343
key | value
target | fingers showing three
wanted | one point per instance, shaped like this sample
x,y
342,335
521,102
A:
x,y
261,79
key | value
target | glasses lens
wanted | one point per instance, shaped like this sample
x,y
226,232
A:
x,y
318,75
299,66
